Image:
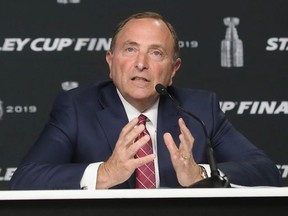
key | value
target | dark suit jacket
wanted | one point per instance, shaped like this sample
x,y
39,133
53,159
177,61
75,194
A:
x,y
85,124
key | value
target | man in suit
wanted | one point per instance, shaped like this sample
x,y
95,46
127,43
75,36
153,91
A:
x,y
90,141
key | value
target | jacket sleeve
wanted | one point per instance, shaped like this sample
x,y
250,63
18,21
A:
x,y
49,163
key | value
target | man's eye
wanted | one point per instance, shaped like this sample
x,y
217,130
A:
x,y
157,53
129,49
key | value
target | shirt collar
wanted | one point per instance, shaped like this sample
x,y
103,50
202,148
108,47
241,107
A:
x,y
132,112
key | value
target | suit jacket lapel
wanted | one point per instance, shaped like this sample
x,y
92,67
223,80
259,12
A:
x,y
113,118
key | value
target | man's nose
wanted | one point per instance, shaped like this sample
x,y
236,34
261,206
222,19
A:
x,y
141,61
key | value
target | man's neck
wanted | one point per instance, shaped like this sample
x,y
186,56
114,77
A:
x,y
140,105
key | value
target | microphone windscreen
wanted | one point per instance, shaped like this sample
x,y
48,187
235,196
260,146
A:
x,y
161,89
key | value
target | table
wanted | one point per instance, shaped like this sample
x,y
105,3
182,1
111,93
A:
x,y
177,202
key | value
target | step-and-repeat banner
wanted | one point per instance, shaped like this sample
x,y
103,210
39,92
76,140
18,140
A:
x,y
237,48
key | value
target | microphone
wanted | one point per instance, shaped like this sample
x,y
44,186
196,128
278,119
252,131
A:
x,y
215,181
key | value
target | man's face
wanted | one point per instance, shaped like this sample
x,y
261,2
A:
x,y
142,58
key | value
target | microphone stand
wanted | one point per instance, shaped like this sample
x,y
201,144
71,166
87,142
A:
x,y
215,181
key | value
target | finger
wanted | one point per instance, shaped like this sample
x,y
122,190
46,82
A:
x,y
133,148
171,146
186,141
128,127
185,144
143,160
130,132
185,136
184,130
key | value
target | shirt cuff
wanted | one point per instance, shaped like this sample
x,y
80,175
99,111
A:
x,y
88,181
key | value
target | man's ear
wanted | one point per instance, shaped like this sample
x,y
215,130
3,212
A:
x,y
176,67
109,61
108,57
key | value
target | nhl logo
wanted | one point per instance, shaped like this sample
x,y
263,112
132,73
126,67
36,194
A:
x,y
67,85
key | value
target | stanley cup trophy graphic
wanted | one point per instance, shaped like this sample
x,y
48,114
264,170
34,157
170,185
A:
x,y
231,46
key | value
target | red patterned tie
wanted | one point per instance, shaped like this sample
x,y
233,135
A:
x,y
145,174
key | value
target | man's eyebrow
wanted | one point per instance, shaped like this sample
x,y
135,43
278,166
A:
x,y
131,43
152,46
157,46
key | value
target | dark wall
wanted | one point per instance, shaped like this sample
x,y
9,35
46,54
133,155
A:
x,y
49,46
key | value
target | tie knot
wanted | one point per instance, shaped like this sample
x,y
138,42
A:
x,y
142,119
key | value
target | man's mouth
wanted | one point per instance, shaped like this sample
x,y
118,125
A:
x,y
140,79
